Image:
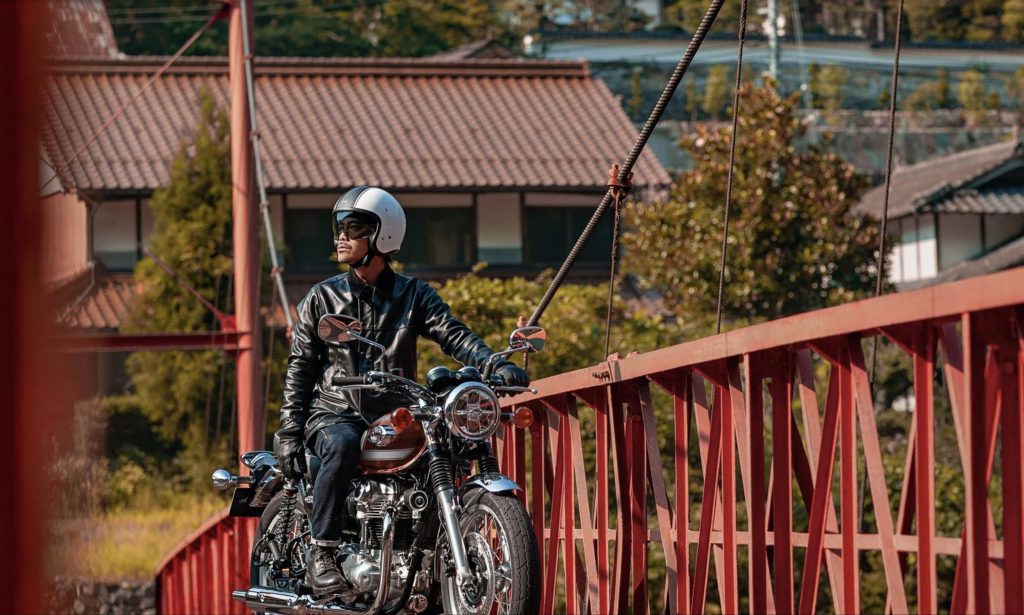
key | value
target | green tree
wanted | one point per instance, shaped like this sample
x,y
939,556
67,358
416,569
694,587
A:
x,y
716,91
575,321
972,95
942,88
692,102
302,28
192,215
687,14
827,85
418,27
1013,21
923,98
635,104
1015,88
794,242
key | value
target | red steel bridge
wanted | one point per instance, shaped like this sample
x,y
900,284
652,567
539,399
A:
x,y
782,419
740,472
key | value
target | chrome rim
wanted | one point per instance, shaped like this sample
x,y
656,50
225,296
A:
x,y
490,553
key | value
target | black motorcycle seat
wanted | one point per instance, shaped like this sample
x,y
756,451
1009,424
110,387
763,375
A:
x,y
313,464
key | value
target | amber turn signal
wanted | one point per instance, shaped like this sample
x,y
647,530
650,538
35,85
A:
x,y
401,419
522,417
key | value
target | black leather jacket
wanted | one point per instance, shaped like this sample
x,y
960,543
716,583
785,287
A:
x,y
394,312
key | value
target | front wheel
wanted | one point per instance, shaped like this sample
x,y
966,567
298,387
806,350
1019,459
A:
x,y
502,552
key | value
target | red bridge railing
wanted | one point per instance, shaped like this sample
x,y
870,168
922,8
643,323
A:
x,y
649,476
737,478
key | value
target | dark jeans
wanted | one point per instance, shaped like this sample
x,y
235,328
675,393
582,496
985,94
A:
x,y
338,448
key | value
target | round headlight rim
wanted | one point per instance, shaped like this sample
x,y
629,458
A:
x,y
449,406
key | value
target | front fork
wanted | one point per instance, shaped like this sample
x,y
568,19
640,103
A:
x,y
444,489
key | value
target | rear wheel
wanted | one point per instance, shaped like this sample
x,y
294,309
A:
x,y
264,569
502,552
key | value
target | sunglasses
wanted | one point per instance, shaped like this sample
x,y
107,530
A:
x,y
353,227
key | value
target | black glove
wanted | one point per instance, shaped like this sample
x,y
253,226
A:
x,y
290,450
512,375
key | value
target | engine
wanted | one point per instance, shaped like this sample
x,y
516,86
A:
x,y
360,561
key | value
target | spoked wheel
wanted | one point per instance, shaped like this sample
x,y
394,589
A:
x,y
262,569
502,553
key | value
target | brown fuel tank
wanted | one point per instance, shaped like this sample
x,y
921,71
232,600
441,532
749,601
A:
x,y
397,455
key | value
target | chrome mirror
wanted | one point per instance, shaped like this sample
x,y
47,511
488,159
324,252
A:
x,y
338,328
530,339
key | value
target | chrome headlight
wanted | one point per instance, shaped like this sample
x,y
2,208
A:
x,y
471,411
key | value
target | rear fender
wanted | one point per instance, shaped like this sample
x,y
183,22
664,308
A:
x,y
267,480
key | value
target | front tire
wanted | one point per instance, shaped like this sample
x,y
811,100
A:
x,y
501,522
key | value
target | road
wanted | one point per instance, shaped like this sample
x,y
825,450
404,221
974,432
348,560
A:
x,y
857,55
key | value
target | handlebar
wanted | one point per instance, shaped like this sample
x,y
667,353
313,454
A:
x,y
340,381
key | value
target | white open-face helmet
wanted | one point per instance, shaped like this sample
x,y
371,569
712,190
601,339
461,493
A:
x,y
377,207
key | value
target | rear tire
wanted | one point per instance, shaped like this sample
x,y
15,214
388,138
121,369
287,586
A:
x,y
261,569
505,525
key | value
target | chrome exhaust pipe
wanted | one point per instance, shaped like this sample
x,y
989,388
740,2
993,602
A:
x,y
271,600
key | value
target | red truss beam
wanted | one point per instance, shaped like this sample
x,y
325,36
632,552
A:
x,y
127,342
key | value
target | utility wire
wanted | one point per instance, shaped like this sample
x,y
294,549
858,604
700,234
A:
x,y
221,12
732,161
627,167
889,148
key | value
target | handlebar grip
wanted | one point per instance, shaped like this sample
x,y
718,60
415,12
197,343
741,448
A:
x,y
340,381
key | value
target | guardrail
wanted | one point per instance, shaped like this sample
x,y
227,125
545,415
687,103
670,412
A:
x,y
198,575
619,531
755,396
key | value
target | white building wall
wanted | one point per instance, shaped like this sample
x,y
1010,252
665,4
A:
x,y
915,249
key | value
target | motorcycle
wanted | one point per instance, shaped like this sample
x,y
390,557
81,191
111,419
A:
x,y
431,522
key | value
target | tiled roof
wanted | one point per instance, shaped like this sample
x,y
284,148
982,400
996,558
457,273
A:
x,y
79,28
328,124
104,305
923,183
983,201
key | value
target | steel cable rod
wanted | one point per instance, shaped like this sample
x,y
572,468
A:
x,y
732,162
627,167
254,136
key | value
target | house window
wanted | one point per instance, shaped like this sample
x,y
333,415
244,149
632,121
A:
x,y
115,234
310,246
438,237
552,231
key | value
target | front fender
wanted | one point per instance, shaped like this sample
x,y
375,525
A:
x,y
491,481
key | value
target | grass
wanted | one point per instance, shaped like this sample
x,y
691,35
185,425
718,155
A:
x,y
126,544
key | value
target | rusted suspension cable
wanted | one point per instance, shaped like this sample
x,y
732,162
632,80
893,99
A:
x,y
627,167
620,190
732,161
880,266
219,14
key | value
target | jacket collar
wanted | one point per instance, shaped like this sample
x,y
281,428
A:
x,y
380,291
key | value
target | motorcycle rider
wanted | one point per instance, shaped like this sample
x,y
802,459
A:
x,y
368,226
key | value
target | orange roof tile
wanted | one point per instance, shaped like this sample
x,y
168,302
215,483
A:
x,y
106,305
329,124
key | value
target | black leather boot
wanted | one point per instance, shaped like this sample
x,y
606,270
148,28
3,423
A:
x,y
322,573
